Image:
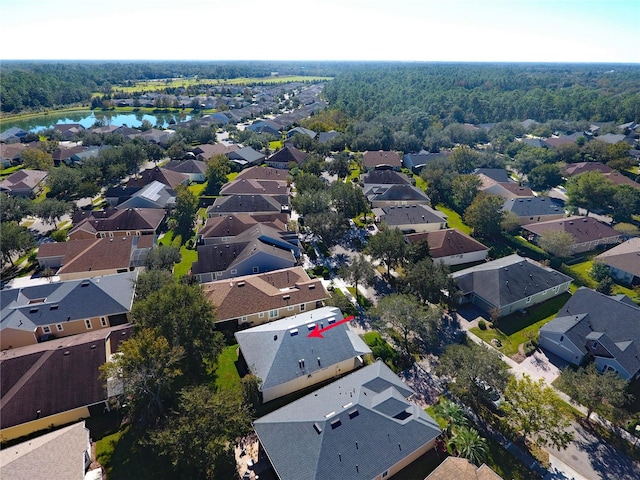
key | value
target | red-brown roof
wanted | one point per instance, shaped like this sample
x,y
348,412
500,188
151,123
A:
x,y
381,158
447,242
262,292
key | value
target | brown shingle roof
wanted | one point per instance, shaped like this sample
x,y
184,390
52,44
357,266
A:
x,y
128,219
456,468
94,254
444,243
251,187
232,225
159,174
625,256
52,377
263,173
258,293
381,157
582,229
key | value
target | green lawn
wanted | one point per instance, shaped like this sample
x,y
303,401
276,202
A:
x,y
227,376
518,328
580,271
454,220
188,257
123,458
197,188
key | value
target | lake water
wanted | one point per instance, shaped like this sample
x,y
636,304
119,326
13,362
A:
x,y
88,118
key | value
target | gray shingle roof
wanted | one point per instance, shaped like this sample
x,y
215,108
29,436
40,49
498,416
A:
x,y
613,321
508,279
345,430
27,308
532,206
273,350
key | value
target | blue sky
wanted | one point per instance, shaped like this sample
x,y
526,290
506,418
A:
x,y
407,30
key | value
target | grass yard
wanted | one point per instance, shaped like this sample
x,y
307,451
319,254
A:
x,y
580,271
454,220
518,328
123,458
227,376
197,188
188,257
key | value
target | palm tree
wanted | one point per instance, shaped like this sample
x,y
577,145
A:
x,y
468,444
452,413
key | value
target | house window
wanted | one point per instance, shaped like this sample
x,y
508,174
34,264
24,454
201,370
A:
x,y
111,234
87,323
302,307
128,234
273,313
244,318
255,269
385,474
234,271
528,299
555,289
138,233
261,315
102,235
59,327
46,329
290,307
103,321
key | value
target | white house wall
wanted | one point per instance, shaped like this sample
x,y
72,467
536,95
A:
x,y
565,349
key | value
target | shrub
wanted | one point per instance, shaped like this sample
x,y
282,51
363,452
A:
x,y
482,325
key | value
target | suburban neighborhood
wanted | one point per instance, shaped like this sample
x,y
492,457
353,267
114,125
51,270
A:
x,y
263,292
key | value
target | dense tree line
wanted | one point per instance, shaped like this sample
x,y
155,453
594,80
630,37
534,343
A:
x,y
486,93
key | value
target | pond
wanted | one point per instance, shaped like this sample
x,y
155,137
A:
x,y
88,118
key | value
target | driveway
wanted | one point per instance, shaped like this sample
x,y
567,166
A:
x,y
593,459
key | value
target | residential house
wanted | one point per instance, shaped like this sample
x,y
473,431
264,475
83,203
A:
x,y
116,222
363,426
55,383
533,209
498,175
11,153
114,196
80,157
326,137
612,138
623,261
246,157
301,131
59,309
155,195
395,195
13,135
411,218
64,454
587,232
286,358
381,178
256,299
65,152
417,161
68,130
206,151
265,126
249,204
257,250
506,190
458,468
94,257
250,186
226,228
24,183
577,168
165,176
263,173
451,246
286,156
594,325
509,284
381,159
196,170
558,141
